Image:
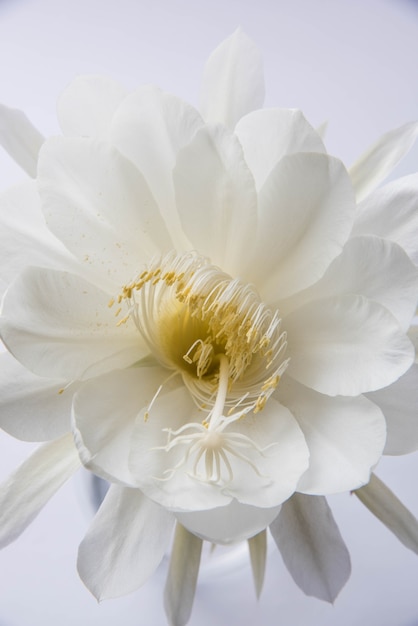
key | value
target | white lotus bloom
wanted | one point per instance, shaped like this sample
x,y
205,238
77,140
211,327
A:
x,y
215,320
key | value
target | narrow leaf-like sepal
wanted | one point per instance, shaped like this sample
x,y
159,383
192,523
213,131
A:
x,y
311,546
380,500
182,576
258,554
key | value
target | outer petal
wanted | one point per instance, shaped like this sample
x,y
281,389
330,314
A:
x,y
32,408
346,345
104,414
312,547
372,267
268,135
125,543
233,522
306,210
59,325
86,107
27,491
379,160
20,138
380,500
233,81
149,128
391,212
100,206
345,437
216,198
182,576
399,403
24,237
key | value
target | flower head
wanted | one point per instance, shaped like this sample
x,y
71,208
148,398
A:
x,y
211,320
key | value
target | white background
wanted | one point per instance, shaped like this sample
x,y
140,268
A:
x,y
351,62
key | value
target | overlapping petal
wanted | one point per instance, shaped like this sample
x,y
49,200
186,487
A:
x,y
58,325
267,135
216,198
20,138
104,414
125,543
346,345
100,206
345,437
32,408
306,211
233,81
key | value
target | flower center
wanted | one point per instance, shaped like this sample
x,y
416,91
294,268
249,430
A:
x,y
194,318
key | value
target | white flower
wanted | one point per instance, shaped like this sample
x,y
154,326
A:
x,y
211,319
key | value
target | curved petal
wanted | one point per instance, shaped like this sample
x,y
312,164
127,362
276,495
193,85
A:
x,y
380,501
391,212
87,105
182,576
226,524
216,197
379,160
125,543
346,345
312,547
32,408
306,210
399,403
233,81
99,205
372,267
345,437
20,138
104,414
149,128
24,238
27,491
58,325
153,467
268,135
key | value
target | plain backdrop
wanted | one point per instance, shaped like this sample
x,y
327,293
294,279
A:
x,y
352,63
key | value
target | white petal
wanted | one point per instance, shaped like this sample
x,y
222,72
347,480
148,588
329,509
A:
x,y
58,325
233,81
20,138
24,237
151,465
32,408
182,577
27,491
312,547
345,437
399,403
125,543
86,107
149,128
372,267
306,210
388,509
282,460
100,206
104,414
226,524
216,198
391,212
379,160
268,135
257,546
346,345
